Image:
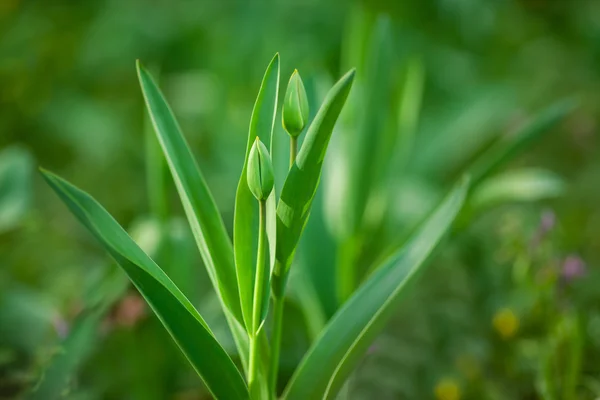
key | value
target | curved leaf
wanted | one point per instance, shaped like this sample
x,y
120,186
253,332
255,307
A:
x,y
352,329
177,314
519,185
509,146
245,225
202,212
303,178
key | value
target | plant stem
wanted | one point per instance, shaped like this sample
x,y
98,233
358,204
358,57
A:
x,y
257,302
293,150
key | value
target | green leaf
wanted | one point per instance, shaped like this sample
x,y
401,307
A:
x,y
16,169
408,115
348,335
303,178
509,146
177,314
368,142
245,225
202,213
520,185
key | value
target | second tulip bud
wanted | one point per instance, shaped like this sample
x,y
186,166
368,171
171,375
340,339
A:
x,y
295,106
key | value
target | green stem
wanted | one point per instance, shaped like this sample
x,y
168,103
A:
x,y
257,302
293,150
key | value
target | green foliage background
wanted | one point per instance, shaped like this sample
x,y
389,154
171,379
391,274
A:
x,y
70,101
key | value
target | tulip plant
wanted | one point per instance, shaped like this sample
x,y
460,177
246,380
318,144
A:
x,y
249,274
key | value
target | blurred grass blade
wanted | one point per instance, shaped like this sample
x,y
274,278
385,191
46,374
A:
x,y
16,170
302,290
519,185
509,146
368,143
75,349
303,178
177,314
408,115
202,213
156,174
352,329
245,226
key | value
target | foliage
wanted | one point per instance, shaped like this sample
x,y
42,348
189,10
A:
x,y
441,88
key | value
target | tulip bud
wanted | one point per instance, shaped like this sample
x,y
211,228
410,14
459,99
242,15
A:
x,y
260,175
295,106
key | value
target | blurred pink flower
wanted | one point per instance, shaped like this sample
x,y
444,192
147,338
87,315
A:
x,y
573,267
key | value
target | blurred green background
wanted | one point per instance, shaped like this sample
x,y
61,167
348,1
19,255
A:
x,y
509,310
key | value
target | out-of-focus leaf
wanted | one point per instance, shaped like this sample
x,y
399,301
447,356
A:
x,y
301,288
509,146
519,185
348,335
25,318
368,143
57,377
16,167
177,314
202,213
450,138
408,114
303,178
245,226
316,262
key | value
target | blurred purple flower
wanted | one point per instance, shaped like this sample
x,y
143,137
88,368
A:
x,y
548,221
573,267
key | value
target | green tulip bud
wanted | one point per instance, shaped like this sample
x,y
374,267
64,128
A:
x,y
260,175
295,106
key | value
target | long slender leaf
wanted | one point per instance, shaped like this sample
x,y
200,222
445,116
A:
x,y
200,208
408,114
202,213
509,146
302,180
245,226
177,314
352,329
368,143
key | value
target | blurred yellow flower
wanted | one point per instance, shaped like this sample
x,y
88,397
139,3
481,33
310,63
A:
x,y
506,323
447,389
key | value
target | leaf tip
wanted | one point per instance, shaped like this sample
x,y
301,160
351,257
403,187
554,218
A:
x,y
46,174
138,65
348,77
275,59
